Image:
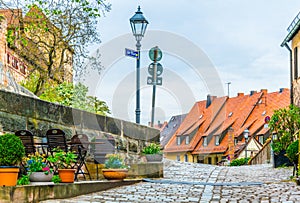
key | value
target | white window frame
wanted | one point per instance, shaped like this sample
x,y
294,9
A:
x,y
186,158
217,140
205,141
178,140
187,140
261,139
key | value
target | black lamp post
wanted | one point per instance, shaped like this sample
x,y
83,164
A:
x,y
138,25
246,136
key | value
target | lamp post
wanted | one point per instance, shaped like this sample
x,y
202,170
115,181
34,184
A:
x,y
246,136
138,25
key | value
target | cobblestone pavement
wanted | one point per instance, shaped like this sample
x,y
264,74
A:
x,y
189,182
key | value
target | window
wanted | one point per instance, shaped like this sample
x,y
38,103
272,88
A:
x,y
178,157
235,141
187,140
296,63
204,141
217,140
186,158
261,139
178,140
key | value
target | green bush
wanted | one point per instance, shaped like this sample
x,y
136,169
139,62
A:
x,y
292,151
239,162
11,150
151,149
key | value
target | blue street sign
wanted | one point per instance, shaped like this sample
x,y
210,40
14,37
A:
x,y
131,53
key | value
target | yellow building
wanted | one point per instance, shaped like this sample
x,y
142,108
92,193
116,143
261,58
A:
x,y
294,50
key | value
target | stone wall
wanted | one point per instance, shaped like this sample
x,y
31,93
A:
x,y
22,112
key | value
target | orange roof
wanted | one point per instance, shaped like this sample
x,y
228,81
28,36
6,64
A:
x,y
240,113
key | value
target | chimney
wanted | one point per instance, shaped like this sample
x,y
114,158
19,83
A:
x,y
209,100
281,90
240,94
252,92
264,91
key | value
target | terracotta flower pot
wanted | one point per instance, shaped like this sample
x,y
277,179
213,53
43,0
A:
x,y
40,177
67,175
9,175
115,174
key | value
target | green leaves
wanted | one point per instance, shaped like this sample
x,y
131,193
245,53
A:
x,y
11,150
285,123
151,149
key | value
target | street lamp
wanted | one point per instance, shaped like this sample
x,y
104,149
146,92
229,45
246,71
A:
x,y
138,25
246,136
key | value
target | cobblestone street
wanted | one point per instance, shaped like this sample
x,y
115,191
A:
x,y
189,182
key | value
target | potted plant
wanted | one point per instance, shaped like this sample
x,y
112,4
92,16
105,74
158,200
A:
x,y
152,152
65,163
114,167
11,153
38,168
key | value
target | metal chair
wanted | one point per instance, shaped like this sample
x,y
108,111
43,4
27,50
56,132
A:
x,y
27,139
107,146
79,145
56,139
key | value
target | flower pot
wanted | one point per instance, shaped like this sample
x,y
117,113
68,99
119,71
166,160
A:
x,y
9,175
40,177
154,157
115,174
66,175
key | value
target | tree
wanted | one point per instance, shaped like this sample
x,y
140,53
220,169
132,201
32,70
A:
x,y
72,95
285,123
53,37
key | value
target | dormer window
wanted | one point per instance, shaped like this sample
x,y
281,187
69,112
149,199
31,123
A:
x,y
178,140
217,140
204,141
187,140
230,114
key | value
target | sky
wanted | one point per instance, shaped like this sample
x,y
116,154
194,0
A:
x,y
205,45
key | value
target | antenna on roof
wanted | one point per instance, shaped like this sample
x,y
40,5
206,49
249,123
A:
x,y
228,83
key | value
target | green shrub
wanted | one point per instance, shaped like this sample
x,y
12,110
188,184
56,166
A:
x,y
151,149
292,151
114,161
11,150
239,162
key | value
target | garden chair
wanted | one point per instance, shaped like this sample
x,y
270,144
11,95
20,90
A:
x,y
56,139
27,139
79,145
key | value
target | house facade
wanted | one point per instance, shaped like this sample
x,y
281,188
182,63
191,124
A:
x,y
17,59
214,128
292,43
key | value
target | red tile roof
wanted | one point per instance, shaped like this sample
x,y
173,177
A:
x,y
240,113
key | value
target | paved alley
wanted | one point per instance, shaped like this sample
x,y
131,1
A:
x,y
191,182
